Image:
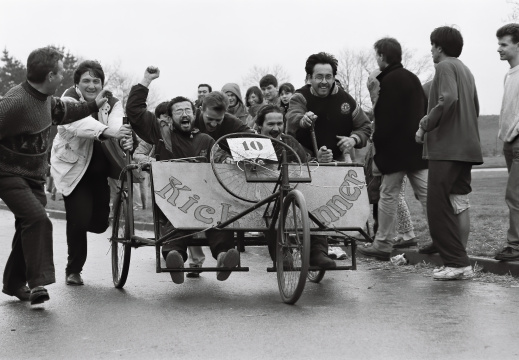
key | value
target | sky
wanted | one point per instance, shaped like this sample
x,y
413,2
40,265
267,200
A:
x,y
218,41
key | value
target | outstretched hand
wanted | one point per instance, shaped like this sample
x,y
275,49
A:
x,y
151,73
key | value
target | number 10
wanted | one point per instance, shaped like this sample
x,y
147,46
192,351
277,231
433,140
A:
x,y
255,145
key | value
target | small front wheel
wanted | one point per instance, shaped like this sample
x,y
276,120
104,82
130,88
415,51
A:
x,y
293,247
122,230
316,276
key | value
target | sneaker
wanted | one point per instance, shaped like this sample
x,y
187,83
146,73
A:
x,y
38,295
193,275
452,273
175,261
74,279
338,253
228,259
331,252
507,254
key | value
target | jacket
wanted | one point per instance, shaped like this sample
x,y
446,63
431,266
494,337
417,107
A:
x,y
73,145
239,110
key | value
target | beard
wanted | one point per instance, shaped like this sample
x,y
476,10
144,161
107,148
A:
x,y
182,125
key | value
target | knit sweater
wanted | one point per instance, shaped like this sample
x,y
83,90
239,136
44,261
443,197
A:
x,y
509,116
26,116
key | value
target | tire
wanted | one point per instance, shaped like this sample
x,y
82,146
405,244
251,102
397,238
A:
x,y
122,228
316,276
293,247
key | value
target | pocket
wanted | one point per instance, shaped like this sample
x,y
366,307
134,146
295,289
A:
x,y
66,154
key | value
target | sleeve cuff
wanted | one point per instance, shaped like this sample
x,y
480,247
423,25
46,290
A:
x,y
356,138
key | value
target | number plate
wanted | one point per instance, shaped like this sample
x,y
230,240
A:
x,y
251,148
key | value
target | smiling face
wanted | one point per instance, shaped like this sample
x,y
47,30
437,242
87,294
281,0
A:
x,y
273,125
508,51
270,92
183,117
202,92
89,85
212,119
253,99
322,79
233,100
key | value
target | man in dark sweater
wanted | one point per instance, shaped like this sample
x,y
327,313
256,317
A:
x,y
400,106
180,140
27,112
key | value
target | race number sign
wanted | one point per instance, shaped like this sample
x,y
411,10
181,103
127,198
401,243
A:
x,y
191,197
251,148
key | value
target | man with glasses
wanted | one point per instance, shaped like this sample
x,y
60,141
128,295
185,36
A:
x,y
340,124
180,140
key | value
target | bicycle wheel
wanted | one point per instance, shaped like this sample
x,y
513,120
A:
x,y
232,177
293,247
316,276
122,230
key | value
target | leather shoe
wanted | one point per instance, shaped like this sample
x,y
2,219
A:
x,y
507,254
402,244
428,249
23,293
372,252
318,258
74,279
38,295
193,275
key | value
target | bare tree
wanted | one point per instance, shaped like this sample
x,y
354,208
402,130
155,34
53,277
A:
x,y
120,84
255,74
356,65
514,15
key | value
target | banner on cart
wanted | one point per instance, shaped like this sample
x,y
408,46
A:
x,y
192,198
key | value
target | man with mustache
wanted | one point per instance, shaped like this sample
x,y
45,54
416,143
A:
x,y
180,140
270,123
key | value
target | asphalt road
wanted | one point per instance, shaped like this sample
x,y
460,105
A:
x,y
363,314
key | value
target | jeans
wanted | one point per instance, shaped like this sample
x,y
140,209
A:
x,y
31,259
196,256
388,204
511,152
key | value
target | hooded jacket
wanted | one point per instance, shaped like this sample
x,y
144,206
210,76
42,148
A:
x,y
239,110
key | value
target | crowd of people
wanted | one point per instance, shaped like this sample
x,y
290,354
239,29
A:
x,y
425,134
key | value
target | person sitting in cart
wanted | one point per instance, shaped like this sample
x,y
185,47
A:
x,y
180,140
269,121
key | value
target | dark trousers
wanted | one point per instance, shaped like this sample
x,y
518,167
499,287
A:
x,y
31,260
445,178
88,208
318,243
219,241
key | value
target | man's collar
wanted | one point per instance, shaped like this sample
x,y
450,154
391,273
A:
x,y
335,90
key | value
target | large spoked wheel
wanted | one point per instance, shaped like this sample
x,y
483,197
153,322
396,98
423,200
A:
x,y
122,231
316,276
264,170
293,247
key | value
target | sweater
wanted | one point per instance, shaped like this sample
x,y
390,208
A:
x,y
26,116
451,124
400,106
509,116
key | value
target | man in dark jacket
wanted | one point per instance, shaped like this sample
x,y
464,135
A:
x,y
400,107
180,140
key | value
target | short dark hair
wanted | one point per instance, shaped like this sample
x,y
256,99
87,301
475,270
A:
x,y
41,62
287,87
205,85
254,90
390,49
178,99
216,100
92,67
268,80
449,39
161,109
509,29
320,58
264,111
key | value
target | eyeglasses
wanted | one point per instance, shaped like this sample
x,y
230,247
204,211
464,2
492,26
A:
x,y
179,112
328,77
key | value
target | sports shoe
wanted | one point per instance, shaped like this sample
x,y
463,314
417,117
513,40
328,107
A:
x,y
193,275
228,259
74,279
507,254
452,273
336,252
468,272
175,261
38,295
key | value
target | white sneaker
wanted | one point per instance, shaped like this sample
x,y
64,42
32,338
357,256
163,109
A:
x,y
341,254
451,273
